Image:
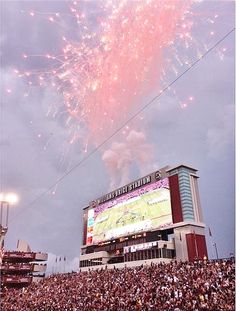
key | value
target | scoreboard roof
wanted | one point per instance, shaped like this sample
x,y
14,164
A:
x,y
180,165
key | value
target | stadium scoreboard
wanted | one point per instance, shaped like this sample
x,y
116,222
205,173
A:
x,y
139,206
163,205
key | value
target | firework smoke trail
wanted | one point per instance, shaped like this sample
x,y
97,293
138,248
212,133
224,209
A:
x,y
103,76
120,156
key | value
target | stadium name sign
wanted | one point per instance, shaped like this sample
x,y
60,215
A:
x,y
130,187
134,185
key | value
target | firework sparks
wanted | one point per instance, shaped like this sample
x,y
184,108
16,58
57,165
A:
x,y
102,76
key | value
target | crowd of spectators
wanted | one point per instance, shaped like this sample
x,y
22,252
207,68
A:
x,y
177,286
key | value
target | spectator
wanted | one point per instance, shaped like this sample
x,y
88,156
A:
x,y
177,286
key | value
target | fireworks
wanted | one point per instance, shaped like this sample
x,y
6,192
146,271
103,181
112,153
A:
x,y
104,74
112,58
123,51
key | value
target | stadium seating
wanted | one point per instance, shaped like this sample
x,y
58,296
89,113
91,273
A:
x,y
177,286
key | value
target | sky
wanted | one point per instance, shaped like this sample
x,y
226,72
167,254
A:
x,y
43,136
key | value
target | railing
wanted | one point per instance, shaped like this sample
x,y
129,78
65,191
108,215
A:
x,y
16,279
18,255
10,256
16,267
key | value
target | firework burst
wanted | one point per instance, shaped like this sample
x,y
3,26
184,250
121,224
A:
x,y
104,74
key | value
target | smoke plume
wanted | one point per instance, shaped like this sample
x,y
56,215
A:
x,y
119,158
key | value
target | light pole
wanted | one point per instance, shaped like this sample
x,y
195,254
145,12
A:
x,y
5,200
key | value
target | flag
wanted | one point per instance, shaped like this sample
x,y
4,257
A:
x,y
65,258
56,259
60,259
210,234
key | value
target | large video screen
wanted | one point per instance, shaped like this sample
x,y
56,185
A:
x,y
144,209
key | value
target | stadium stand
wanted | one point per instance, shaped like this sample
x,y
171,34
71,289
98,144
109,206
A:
x,y
176,286
21,267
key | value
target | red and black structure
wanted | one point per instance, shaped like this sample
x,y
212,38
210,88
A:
x,y
21,268
189,229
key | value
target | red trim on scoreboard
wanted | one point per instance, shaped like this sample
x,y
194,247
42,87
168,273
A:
x,y
175,199
196,246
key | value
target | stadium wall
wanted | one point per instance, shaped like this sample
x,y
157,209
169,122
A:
x,y
130,264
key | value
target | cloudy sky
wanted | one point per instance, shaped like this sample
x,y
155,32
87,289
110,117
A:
x,y
192,123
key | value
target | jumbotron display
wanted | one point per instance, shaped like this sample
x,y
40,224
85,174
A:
x,y
144,209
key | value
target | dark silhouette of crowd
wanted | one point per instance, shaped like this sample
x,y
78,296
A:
x,y
177,286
